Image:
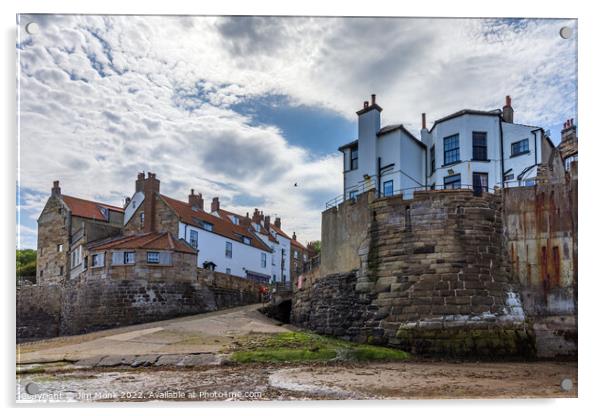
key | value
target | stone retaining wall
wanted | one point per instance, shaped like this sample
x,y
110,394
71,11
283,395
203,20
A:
x,y
84,306
433,278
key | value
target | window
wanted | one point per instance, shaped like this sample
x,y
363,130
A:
x,y
98,260
479,145
480,182
352,194
194,238
228,249
353,155
451,147
509,177
142,219
61,270
432,159
76,257
129,257
235,220
388,188
520,147
41,273
264,260
452,182
152,257
207,226
246,240
59,248
228,271
273,259
296,254
256,226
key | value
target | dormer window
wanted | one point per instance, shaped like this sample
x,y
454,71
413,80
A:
x,y
256,227
246,240
207,226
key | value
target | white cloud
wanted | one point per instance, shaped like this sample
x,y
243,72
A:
x,y
105,97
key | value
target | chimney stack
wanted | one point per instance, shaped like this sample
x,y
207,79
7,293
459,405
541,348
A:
x,y
56,189
294,236
365,104
256,216
569,131
196,200
508,111
373,99
215,204
423,121
278,222
266,222
150,187
140,182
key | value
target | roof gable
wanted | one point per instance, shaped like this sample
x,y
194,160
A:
x,y
150,241
89,209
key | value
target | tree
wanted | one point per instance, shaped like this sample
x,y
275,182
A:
x,y
26,263
314,248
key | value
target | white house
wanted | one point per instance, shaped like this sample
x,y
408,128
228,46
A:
x,y
469,148
225,241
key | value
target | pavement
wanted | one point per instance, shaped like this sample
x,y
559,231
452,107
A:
x,y
188,341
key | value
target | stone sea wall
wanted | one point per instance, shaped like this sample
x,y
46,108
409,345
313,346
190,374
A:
x,y
434,278
45,311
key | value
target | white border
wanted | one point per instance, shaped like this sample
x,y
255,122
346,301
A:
x,y
589,103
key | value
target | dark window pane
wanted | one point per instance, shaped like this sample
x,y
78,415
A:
x,y
451,147
479,145
388,188
452,182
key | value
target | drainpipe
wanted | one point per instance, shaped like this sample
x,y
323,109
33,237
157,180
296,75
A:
x,y
378,175
502,151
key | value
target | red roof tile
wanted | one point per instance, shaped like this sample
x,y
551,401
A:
x,y
225,214
152,241
298,244
221,226
88,209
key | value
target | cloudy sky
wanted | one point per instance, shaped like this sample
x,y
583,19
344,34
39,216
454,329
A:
x,y
244,108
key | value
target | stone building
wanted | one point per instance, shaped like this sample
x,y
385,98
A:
x,y
65,226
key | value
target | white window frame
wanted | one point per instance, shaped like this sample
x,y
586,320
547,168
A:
x,y
101,262
230,251
150,254
126,255
264,260
194,242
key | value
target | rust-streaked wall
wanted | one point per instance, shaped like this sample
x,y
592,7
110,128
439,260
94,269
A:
x,y
541,232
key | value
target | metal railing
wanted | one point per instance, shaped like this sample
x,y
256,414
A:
x,y
358,189
283,287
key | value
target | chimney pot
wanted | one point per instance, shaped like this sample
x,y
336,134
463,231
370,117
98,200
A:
x,y
278,222
294,236
508,111
266,222
365,104
373,99
508,101
424,120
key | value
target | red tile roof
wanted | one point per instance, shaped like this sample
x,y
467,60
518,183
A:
x,y
221,226
88,209
225,214
298,244
279,231
152,241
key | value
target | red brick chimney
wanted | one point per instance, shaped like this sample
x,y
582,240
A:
x,y
196,200
266,222
508,111
256,216
278,222
56,189
215,204
569,131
